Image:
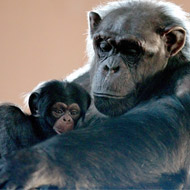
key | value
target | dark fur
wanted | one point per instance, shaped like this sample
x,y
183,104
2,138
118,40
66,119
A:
x,y
143,149
147,146
20,130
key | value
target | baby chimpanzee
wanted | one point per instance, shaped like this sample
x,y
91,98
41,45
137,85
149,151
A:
x,y
55,107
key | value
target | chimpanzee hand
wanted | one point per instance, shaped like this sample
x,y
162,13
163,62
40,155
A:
x,y
24,170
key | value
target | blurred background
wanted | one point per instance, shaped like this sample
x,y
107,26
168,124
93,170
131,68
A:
x,y
42,40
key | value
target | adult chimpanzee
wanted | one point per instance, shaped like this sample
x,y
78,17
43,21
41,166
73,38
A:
x,y
139,53
56,107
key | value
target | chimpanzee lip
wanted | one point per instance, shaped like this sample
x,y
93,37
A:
x,y
108,95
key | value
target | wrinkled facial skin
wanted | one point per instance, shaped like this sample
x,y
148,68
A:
x,y
66,116
127,50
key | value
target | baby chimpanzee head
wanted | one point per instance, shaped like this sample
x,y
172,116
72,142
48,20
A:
x,y
60,104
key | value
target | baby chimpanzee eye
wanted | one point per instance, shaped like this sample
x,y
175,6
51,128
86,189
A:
x,y
59,111
74,112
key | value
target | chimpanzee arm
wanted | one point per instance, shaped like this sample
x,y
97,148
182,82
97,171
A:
x,y
15,129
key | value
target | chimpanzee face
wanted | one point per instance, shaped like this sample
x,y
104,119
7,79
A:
x,y
66,116
59,104
126,55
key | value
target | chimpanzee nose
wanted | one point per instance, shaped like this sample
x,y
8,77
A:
x,y
112,69
66,119
112,65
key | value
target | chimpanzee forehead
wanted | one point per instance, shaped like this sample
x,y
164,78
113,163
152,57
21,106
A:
x,y
59,96
129,20
59,88
61,91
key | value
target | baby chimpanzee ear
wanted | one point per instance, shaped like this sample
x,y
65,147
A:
x,y
33,103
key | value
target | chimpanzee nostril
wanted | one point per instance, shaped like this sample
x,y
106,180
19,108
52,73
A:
x,y
106,68
116,69
66,119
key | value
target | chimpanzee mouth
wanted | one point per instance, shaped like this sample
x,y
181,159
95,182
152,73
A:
x,y
105,95
111,106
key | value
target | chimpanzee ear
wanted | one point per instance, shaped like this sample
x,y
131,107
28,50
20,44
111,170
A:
x,y
175,39
94,20
33,103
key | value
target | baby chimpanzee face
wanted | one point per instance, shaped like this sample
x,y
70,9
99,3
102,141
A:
x,y
59,104
66,116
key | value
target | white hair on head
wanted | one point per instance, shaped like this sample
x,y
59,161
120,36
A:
x,y
169,9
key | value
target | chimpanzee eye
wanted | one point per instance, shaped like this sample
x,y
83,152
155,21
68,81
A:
x,y
131,52
59,111
74,112
129,48
105,46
